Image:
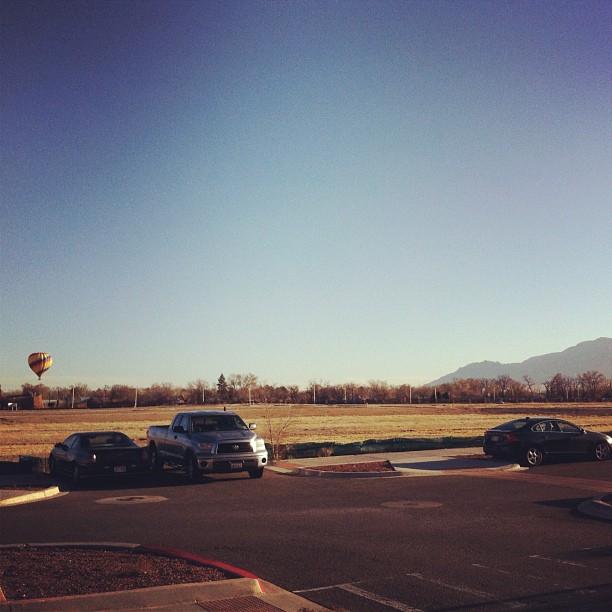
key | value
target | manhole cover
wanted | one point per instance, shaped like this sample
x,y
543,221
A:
x,y
132,499
412,504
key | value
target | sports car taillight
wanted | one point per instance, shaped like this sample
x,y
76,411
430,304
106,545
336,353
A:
x,y
510,437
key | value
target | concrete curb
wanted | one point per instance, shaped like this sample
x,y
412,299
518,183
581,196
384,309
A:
x,y
401,469
331,474
32,496
243,587
597,508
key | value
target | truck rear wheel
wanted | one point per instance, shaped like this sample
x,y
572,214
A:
x,y
155,462
194,474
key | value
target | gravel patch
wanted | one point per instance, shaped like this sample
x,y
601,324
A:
x,y
33,573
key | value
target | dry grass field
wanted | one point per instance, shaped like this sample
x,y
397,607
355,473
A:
x,y
34,432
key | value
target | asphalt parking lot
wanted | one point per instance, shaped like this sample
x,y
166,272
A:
x,y
466,537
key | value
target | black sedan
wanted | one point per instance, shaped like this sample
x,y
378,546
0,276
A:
x,y
97,453
531,439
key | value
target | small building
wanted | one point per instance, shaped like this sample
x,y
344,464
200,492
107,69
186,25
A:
x,y
27,401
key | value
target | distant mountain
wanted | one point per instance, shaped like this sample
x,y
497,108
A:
x,y
591,355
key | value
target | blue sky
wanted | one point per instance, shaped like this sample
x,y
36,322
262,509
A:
x,y
331,191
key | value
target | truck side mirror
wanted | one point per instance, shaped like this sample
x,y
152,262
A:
x,y
252,426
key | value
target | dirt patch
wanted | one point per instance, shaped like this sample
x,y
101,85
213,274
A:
x,y
34,573
372,466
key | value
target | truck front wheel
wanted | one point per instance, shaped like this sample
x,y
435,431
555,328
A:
x,y
256,473
194,474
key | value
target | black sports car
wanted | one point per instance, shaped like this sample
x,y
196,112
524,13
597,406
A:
x,y
97,453
531,439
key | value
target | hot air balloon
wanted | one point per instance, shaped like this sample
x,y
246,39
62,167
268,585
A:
x,y
39,363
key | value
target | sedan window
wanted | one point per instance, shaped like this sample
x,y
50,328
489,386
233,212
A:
x,y
568,427
512,425
545,426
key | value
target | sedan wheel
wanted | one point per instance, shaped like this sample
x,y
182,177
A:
x,y
52,467
76,473
533,456
601,451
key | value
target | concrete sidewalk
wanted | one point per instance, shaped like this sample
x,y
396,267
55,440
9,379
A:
x,y
241,592
435,462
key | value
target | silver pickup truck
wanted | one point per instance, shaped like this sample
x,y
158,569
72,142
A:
x,y
207,442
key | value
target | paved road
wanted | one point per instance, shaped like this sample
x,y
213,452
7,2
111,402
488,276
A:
x,y
469,542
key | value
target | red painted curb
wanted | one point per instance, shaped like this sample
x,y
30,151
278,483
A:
x,y
172,552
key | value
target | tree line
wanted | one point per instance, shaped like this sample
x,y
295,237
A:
x,y
591,386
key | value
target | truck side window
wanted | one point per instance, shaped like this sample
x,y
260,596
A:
x,y
180,421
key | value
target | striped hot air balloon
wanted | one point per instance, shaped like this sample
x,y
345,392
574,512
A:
x,y
39,363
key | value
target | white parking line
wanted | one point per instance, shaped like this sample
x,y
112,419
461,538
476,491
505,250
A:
x,y
515,574
464,589
385,601
560,561
351,588
454,587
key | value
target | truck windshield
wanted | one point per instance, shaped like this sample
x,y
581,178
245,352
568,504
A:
x,y
223,422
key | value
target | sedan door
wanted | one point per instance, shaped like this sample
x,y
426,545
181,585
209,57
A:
x,y
551,438
576,440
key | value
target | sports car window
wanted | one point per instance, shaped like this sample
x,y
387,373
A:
x,y
69,441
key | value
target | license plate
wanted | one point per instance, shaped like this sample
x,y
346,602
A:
x,y
235,465
120,469
495,438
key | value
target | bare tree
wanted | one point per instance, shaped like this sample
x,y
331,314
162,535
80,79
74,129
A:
x,y
590,382
197,391
277,429
529,383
